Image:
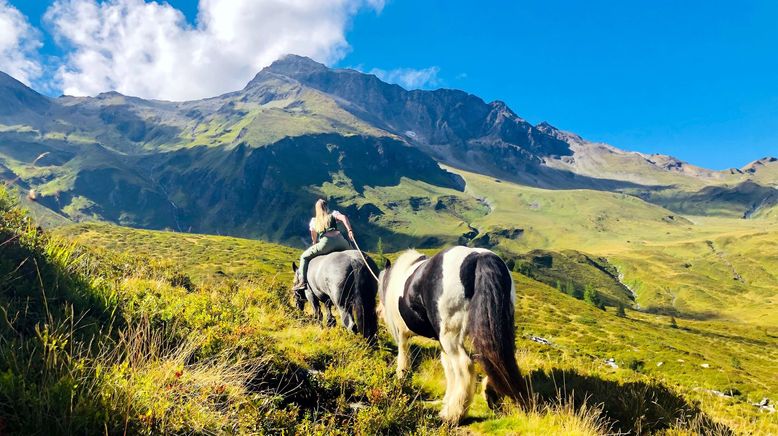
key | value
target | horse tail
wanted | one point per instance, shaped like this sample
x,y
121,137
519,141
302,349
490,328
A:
x,y
490,324
364,298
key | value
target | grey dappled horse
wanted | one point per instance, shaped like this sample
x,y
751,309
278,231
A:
x,y
342,279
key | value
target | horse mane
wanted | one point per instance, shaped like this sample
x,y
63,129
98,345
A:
x,y
408,258
396,282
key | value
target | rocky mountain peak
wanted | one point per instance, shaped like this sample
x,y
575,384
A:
x,y
108,95
290,65
295,64
505,111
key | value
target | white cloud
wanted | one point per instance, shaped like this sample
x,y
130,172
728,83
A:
x,y
410,78
19,43
147,49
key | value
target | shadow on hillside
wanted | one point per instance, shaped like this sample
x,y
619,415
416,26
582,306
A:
x,y
269,192
632,407
36,291
681,314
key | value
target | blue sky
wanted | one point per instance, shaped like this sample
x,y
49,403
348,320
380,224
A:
x,y
694,79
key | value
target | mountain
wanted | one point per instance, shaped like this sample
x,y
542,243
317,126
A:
x,y
298,130
454,127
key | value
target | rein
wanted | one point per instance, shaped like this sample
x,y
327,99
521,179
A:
x,y
354,240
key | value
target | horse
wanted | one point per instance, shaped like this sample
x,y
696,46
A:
x,y
458,292
341,278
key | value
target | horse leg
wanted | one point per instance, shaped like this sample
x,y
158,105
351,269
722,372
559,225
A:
x,y
403,356
348,320
331,322
463,384
314,304
448,369
492,397
299,300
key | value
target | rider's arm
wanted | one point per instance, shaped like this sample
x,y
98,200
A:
x,y
344,219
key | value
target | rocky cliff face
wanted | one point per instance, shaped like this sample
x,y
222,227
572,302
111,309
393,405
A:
x,y
454,126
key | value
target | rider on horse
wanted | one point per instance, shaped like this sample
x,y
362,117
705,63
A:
x,y
326,238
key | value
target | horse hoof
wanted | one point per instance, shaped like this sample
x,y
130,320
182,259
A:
x,y
492,397
445,416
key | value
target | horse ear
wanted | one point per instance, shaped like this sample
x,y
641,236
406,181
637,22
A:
x,y
387,264
294,267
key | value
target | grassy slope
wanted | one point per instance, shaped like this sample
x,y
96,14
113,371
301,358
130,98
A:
x,y
739,356
685,263
571,272
201,256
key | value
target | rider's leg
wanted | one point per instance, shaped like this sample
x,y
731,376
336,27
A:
x,y
324,246
339,243
312,251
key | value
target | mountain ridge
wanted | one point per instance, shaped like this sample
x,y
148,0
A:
x,y
295,66
111,141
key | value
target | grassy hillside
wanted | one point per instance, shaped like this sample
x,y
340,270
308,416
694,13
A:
x,y
203,257
722,267
679,365
675,264
688,266
574,273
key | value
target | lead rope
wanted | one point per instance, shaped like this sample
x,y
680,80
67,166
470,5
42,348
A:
x,y
354,240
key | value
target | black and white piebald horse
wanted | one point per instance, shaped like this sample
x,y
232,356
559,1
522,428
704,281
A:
x,y
460,292
341,278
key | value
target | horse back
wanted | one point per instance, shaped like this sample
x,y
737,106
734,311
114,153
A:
x,y
441,287
333,273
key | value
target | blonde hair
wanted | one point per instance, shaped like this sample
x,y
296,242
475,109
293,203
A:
x,y
322,218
